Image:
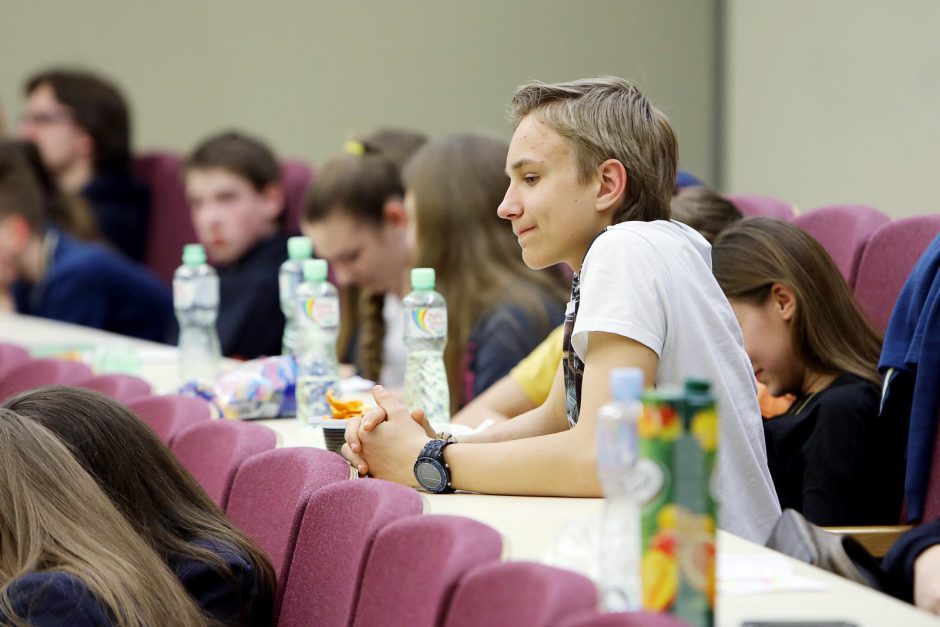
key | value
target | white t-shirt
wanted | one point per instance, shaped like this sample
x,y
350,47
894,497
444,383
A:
x,y
393,345
652,282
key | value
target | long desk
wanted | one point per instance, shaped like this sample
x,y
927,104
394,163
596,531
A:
x,y
531,526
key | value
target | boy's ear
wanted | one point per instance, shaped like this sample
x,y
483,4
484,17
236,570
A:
x,y
784,300
612,177
393,211
273,201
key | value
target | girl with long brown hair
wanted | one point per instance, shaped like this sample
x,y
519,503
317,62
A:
x,y
67,555
831,455
355,217
227,575
498,308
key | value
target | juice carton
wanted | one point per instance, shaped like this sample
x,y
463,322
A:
x,y
678,445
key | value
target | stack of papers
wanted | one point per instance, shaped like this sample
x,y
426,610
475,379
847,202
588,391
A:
x,y
754,574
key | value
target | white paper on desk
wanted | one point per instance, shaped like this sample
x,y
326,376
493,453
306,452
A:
x,y
740,573
158,354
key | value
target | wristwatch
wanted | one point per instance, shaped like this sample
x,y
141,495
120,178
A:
x,y
431,471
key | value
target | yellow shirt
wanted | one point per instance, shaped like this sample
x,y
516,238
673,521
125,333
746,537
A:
x,y
536,373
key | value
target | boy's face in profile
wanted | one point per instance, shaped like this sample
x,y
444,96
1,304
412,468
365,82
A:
x,y
551,211
230,216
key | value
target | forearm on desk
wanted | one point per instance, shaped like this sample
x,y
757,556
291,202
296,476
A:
x,y
531,424
557,464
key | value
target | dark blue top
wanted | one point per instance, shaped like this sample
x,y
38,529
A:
x,y
251,323
90,285
912,349
121,206
56,599
502,339
834,459
238,601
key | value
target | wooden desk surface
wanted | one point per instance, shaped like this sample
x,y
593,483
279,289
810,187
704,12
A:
x,y
531,526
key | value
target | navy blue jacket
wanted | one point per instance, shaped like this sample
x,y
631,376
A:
x,y
251,323
910,360
238,602
121,206
56,599
90,285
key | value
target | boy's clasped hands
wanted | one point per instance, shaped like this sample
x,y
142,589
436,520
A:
x,y
389,437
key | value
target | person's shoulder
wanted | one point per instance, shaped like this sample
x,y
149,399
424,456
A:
x,y
848,399
47,581
54,597
235,560
259,264
78,256
662,237
851,389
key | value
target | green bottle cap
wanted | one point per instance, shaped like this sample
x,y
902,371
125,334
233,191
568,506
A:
x,y
194,255
299,248
315,270
423,278
697,386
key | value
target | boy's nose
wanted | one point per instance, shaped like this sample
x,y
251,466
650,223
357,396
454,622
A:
x,y
509,208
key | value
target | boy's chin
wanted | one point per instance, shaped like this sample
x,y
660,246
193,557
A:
x,y
534,260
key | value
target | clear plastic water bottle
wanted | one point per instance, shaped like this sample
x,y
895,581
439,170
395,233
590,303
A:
x,y
290,276
617,451
317,326
196,302
425,335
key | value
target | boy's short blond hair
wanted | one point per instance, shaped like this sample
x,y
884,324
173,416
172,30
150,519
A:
x,y
609,118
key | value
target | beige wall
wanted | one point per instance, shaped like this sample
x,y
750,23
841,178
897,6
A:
x,y
307,74
834,101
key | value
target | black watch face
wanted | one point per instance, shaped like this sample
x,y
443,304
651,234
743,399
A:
x,y
430,475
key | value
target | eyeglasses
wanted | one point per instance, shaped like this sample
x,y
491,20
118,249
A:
x,y
45,118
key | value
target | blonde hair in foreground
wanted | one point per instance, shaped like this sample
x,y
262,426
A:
x,y
54,517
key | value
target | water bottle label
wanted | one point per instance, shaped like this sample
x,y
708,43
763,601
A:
x,y
287,284
323,311
184,294
207,295
425,322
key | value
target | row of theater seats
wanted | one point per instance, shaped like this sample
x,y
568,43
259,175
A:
x,y
874,253
346,552
170,225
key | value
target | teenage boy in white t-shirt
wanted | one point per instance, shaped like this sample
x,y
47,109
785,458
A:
x,y
586,155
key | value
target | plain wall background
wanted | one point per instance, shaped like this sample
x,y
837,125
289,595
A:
x,y
834,101
306,75
813,102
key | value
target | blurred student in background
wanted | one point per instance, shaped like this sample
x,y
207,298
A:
x,y
67,555
53,275
355,216
225,573
832,457
81,124
498,308
236,198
